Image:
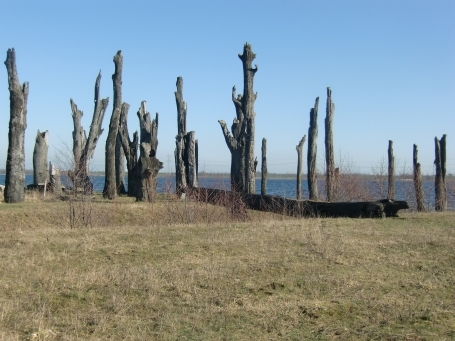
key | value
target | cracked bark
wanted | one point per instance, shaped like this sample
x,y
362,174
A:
x,y
15,161
329,154
440,182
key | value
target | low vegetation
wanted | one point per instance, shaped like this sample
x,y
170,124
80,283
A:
x,y
177,270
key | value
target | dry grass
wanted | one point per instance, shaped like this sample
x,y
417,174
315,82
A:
x,y
184,271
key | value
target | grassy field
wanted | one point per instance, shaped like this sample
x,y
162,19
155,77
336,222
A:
x,y
184,271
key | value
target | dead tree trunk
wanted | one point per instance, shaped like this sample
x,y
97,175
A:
x,y
40,171
264,168
119,155
84,146
391,172
241,144
110,184
15,161
418,182
299,149
149,165
54,179
312,152
329,154
186,166
130,150
440,182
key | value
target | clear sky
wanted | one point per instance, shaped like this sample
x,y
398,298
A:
x,y
390,65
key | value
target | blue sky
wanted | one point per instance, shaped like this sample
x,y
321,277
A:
x,y
390,64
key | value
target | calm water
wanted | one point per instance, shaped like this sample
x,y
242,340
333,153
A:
x,y
283,187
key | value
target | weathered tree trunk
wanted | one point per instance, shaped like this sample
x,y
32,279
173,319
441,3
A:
x,y
130,150
110,184
186,166
440,183
241,144
40,171
149,165
418,182
329,154
54,179
299,149
119,155
264,168
312,152
391,172
84,146
15,161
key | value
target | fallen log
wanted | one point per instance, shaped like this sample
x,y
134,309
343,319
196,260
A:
x,y
298,208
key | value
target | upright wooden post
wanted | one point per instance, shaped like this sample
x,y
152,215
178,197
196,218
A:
x,y
312,152
440,182
299,149
391,172
329,153
264,168
40,171
15,160
418,181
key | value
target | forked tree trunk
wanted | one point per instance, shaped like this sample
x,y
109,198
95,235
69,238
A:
x,y
40,171
241,143
312,152
299,149
186,165
15,161
440,183
329,154
391,172
149,165
130,150
83,148
418,181
264,168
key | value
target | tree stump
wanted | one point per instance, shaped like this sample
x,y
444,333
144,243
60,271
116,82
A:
x,y
312,152
418,181
329,153
299,149
40,171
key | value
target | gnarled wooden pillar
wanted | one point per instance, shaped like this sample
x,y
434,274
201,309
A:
x,y
299,149
40,171
329,154
312,152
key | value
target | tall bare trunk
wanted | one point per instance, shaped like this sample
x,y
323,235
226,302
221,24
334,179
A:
x,y
40,171
264,168
312,152
241,143
15,161
418,181
299,149
148,165
329,154
391,172
110,185
440,177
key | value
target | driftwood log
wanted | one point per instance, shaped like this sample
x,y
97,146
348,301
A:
x,y
300,208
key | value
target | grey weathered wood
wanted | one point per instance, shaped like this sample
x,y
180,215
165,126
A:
x,y
119,154
15,160
241,143
420,198
55,183
301,208
312,152
440,184
264,167
391,172
40,171
110,184
83,148
130,150
180,169
190,159
148,165
329,153
299,149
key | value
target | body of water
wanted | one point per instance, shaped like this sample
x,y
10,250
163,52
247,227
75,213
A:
x,y
359,191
